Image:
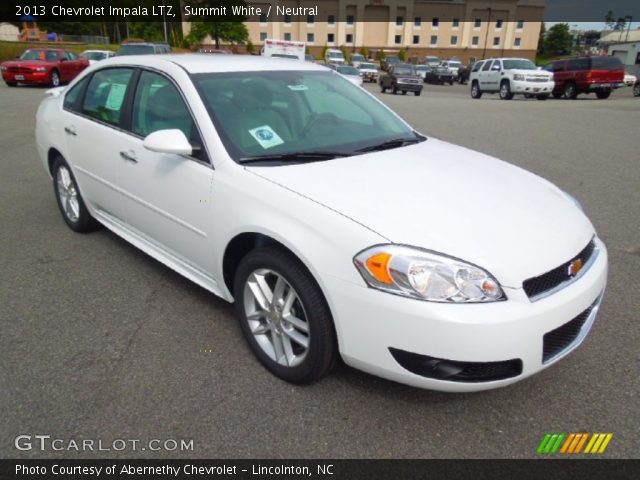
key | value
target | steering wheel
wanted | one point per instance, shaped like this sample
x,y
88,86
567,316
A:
x,y
318,120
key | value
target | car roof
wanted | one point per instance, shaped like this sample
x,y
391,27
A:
x,y
204,63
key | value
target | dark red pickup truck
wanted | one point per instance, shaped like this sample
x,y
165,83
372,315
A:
x,y
599,75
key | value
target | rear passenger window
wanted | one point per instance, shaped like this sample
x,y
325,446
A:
x,y
578,64
558,66
71,97
106,93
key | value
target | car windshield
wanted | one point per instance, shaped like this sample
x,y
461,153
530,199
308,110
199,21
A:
x,y
336,55
286,113
135,50
367,66
48,55
422,68
347,70
94,55
519,64
455,64
404,71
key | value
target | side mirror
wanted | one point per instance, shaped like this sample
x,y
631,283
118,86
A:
x,y
171,141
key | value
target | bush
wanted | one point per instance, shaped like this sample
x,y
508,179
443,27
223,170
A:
x,y
250,47
380,56
364,52
402,56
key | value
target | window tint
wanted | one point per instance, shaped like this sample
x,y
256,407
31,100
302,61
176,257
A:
x,y
71,97
606,63
72,55
578,64
486,66
158,105
65,56
558,66
106,93
477,66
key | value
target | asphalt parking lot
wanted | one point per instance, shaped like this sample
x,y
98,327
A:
x,y
99,341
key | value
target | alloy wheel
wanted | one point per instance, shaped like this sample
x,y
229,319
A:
x,y
68,193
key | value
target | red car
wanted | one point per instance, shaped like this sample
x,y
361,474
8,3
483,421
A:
x,y
44,66
599,75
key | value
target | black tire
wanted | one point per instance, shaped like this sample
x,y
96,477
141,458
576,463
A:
x,y
383,89
542,96
528,95
636,90
404,92
505,91
557,94
54,78
603,94
570,92
11,84
321,355
84,222
394,89
417,93
451,82
475,90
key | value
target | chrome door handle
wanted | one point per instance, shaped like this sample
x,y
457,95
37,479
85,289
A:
x,y
71,131
129,156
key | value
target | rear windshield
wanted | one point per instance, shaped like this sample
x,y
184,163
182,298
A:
x,y
348,70
135,50
367,66
606,63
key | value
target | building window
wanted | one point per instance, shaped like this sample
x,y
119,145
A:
x,y
331,19
349,19
311,19
417,22
416,39
399,21
517,41
434,40
520,25
454,39
287,36
349,38
498,23
263,36
398,39
496,41
287,19
475,41
311,37
435,22
477,23
455,23
263,18
331,38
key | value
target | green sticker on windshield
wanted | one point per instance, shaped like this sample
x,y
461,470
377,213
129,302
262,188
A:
x,y
266,137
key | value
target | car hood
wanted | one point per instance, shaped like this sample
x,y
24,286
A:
x,y
452,200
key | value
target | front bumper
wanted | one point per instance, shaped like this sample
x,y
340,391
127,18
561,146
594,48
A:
x,y
33,77
522,86
369,323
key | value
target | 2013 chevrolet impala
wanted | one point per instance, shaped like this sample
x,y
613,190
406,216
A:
x,y
336,229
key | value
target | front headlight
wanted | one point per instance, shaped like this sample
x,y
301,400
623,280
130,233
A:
x,y
3,68
41,69
518,76
426,275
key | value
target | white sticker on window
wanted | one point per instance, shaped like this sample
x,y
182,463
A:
x,y
266,137
116,96
298,88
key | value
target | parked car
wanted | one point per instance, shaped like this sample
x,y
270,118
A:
x,y
431,60
401,78
599,75
96,55
369,72
143,48
464,73
351,73
309,57
422,70
336,229
357,59
636,88
439,75
389,62
43,66
630,80
454,66
333,55
510,76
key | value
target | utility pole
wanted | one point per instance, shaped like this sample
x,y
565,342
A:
x,y
486,37
628,26
164,21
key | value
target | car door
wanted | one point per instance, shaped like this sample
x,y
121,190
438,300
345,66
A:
x,y
167,197
66,67
91,124
493,76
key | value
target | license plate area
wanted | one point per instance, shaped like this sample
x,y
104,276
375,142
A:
x,y
19,77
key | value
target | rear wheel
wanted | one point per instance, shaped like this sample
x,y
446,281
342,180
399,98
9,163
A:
x,y
404,92
394,89
417,93
602,94
570,92
505,91
70,201
636,90
383,89
284,316
475,90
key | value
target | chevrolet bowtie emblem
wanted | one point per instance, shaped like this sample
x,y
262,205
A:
x,y
574,267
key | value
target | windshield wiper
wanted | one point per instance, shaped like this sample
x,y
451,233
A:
x,y
395,143
295,156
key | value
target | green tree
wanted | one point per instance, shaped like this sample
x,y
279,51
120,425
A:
x,y
380,56
402,56
610,20
228,28
541,37
345,53
324,51
364,52
250,47
558,39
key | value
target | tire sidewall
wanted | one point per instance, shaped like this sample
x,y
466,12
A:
x,y
55,75
85,222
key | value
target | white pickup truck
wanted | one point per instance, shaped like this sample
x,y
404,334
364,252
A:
x,y
508,76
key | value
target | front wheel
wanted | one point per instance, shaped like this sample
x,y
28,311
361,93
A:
x,y
570,91
11,84
394,89
417,93
284,316
475,90
70,201
404,92
505,91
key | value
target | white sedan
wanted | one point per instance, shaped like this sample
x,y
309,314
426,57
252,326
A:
x,y
337,230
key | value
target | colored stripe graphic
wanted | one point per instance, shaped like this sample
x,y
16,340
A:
x,y
573,443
